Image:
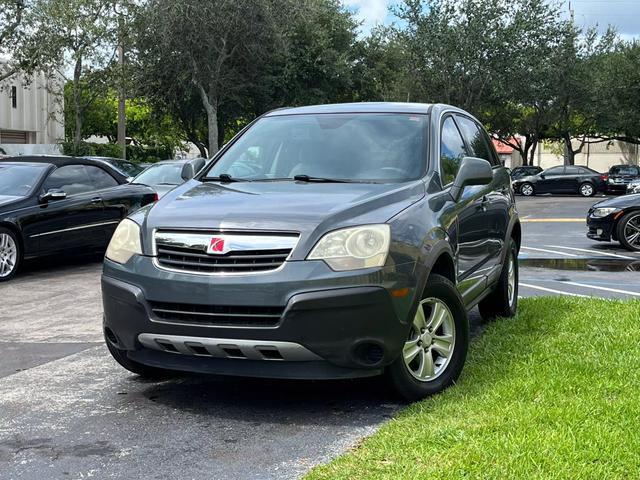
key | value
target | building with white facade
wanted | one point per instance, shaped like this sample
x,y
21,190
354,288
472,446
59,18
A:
x,y
31,114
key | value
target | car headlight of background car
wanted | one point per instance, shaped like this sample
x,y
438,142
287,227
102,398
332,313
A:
x,y
125,242
353,248
603,212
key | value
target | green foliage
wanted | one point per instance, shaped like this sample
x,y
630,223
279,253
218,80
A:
x,y
536,401
135,153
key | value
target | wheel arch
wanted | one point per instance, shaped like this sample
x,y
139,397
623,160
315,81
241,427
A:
x,y
16,230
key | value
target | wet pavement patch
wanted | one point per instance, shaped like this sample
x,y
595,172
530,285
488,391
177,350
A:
x,y
582,264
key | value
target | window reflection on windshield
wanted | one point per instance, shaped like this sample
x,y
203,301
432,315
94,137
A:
x,y
19,180
360,147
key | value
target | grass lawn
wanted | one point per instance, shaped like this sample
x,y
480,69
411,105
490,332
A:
x,y
552,393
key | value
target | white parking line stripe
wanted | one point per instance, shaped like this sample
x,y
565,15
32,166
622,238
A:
x,y
550,251
614,290
592,251
535,287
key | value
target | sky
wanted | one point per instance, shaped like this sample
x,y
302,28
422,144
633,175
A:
x,y
623,14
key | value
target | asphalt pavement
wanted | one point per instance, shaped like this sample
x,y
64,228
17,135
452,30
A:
x,y
67,411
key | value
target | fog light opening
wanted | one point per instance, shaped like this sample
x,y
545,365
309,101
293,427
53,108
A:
x,y
369,353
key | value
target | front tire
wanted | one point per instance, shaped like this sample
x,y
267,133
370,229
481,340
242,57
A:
x,y
503,301
587,190
10,254
140,369
527,190
437,344
628,231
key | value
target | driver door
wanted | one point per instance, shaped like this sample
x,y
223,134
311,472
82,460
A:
x,y
472,220
66,224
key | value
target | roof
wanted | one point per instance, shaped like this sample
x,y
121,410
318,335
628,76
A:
x,y
362,107
502,148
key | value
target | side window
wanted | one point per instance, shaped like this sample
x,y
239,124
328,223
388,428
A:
x,y
554,171
99,178
71,179
476,139
452,151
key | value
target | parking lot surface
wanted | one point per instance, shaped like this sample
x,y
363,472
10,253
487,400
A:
x,y
68,411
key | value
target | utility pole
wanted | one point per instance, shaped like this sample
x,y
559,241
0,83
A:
x,y
122,116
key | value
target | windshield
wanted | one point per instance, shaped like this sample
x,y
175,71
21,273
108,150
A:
x,y
128,168
19,180
624,170
355,147
163,174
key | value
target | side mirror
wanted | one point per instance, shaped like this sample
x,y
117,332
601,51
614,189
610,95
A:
x,y
473,171
188,172
52,195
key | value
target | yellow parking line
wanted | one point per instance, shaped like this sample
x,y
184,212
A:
x,y
553,220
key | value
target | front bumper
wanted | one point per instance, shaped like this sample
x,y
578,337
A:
x,y
600,229
334,325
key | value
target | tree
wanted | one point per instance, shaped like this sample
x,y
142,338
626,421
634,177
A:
x,y
12,14
77,36
220,46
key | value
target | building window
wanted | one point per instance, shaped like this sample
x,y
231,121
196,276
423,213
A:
x,y
14,97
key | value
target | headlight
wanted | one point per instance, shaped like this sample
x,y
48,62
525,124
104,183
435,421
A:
x,y
603,212
354,248
125,242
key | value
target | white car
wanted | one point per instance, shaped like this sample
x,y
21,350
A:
x,y
634,186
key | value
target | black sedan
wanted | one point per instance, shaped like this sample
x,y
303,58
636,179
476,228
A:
x,y
561,179
620,176
616,219
51,205
524,171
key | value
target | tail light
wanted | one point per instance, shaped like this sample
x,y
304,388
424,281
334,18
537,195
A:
x,y
156,197
604,177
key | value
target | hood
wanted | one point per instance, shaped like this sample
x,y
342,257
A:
x,y
307,208
620,202
7,199
162,190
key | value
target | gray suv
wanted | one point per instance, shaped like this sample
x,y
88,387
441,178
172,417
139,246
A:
x,y
322,242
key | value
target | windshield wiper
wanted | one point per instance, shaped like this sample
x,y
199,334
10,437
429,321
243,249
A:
x,y
307,178
224,178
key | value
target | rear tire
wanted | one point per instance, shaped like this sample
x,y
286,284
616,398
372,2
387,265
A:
x,y
527,190
140,369
10,254
503,301
586,189
628,231
432,357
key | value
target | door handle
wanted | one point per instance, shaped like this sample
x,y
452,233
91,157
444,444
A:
x,y
96,200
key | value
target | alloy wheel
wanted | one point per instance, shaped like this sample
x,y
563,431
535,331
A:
x,y
586,190
526,190
632,230
511,280
431,340
8,255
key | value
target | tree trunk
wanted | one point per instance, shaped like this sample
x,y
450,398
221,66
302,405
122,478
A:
x,y
77,103
569,153
211,107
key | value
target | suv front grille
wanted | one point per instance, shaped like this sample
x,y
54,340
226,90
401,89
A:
x,y
240,253
216,315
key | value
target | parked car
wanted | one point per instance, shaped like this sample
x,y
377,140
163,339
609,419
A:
x,y
126,168
561,179
167,175
620,176
616,219
524,171
53,205
633,186
328,241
